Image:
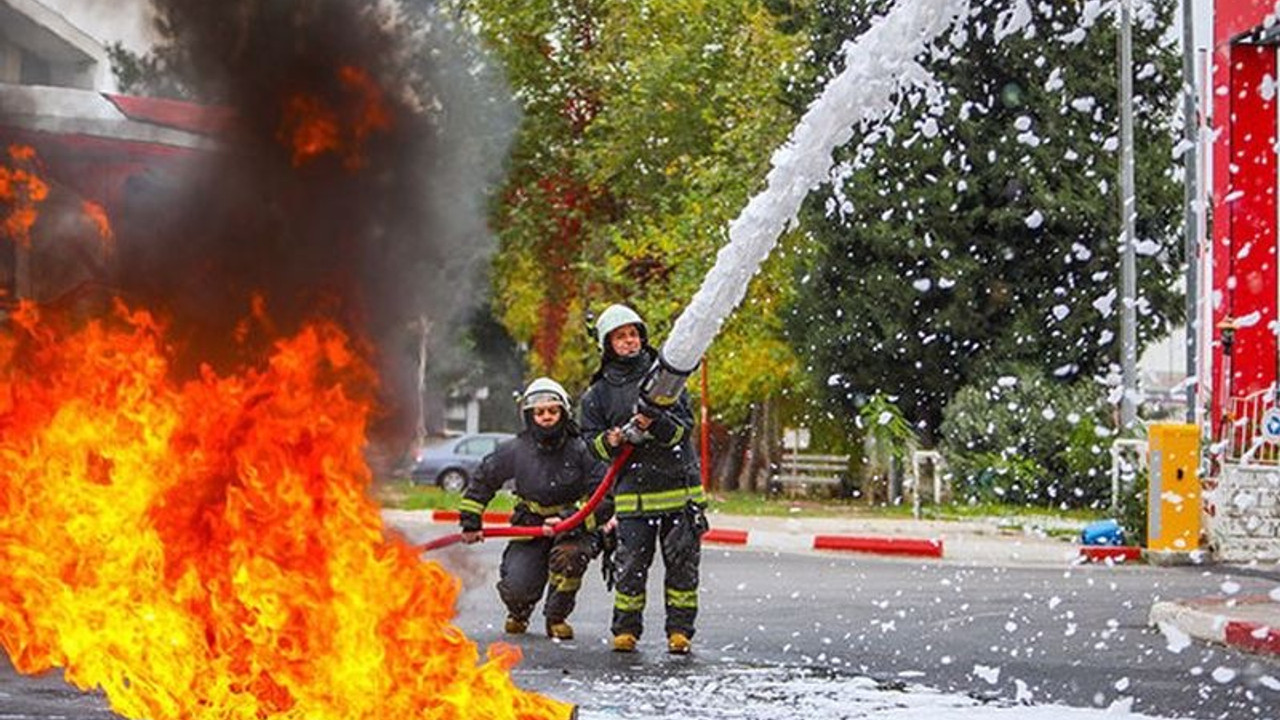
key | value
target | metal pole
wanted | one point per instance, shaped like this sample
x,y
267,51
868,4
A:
x,y
1204,304
704,431
1128,269
1191,182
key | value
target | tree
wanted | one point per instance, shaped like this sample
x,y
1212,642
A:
x,y
982,228
647,125
1024,438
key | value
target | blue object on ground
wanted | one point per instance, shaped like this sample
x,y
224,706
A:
x,y
1102,532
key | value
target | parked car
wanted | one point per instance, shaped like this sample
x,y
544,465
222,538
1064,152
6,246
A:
x,y
451,463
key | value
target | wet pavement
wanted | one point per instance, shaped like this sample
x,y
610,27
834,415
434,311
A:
x,y
1016,628
46,697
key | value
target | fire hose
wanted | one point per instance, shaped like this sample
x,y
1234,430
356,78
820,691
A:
x,y
563,526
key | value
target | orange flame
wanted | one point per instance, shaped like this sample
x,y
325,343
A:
x,y
311,127
22,190
207,549
98,216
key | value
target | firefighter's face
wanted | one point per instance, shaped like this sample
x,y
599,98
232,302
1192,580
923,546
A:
x,y
547,414
625,341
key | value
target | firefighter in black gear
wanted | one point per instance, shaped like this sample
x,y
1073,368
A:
x,y
553,472
658,495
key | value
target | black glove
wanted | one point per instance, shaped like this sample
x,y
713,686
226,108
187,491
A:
x,y
663,427
469,521
697,518
609,568
684,539
594,543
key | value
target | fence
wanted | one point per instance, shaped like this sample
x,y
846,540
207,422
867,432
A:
x,y
800,473
1243,435
933,459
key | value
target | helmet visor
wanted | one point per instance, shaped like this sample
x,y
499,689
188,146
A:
x,y
542,397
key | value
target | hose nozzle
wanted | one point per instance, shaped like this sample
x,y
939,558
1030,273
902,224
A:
x,y
662,384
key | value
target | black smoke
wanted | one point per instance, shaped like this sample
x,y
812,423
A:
x,y
378,235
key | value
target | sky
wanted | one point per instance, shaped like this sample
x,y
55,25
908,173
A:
x,y
125,21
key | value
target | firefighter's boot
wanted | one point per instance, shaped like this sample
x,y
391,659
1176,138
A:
x,y
624,642
559,630
678,643
515,626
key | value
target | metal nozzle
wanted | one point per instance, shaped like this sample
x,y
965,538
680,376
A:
x,y
662,385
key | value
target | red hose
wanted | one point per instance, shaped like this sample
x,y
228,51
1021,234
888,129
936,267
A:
x,y
564,525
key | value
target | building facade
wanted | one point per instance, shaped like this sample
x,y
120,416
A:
x,y
1242,502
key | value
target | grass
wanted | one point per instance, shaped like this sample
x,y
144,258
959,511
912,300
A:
x,y
403,495
746,503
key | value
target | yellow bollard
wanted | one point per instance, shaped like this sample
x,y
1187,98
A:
x,y
1173,500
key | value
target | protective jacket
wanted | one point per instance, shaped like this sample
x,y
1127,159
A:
x,y
552,473
662,473
549,481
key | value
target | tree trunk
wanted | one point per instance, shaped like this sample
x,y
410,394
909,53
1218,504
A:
x,y
743,479
729,463
761,448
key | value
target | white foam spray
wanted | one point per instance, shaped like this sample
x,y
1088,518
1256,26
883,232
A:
x,y
879,66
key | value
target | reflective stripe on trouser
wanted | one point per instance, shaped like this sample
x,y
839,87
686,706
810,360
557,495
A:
x,y
662,501
523,575
638,538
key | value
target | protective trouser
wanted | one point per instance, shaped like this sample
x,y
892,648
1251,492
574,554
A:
x,y
637,539
524,573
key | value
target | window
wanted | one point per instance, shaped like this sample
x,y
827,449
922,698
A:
x,y
35,71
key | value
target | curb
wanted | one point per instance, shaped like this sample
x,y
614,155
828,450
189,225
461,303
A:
x,y
879,545
914,547
1111,553
1205,619
887,545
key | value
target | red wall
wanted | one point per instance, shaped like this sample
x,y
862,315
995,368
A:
x,y
1244,224
1233,18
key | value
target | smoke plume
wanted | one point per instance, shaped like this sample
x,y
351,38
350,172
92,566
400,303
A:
x,y
351,183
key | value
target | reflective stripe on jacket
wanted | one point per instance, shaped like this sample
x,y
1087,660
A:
x,y
548,482
658,469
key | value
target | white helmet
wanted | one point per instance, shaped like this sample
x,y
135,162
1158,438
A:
x,y
543,390
614,317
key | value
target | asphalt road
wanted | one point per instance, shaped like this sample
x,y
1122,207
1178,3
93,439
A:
x,y
1073,636
785,628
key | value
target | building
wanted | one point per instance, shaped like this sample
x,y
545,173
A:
x,y
101,155
1241,278
39,46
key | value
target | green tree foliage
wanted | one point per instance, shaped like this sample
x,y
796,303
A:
x,y
981,229
145,74
1024,438
647,125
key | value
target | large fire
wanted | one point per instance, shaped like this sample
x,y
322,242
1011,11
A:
x,y
22,190
207,548
311,127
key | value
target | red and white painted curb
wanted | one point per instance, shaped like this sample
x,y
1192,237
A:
x,y
1110,554
881,545
914,547
1250,623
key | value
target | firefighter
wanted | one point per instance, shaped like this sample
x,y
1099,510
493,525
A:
x,y
657,496
553,471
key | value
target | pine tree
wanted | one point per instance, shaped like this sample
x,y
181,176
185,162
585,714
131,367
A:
x,y
982,229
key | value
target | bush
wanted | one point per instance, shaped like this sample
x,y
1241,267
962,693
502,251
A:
x,y
1023,438
1133,510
